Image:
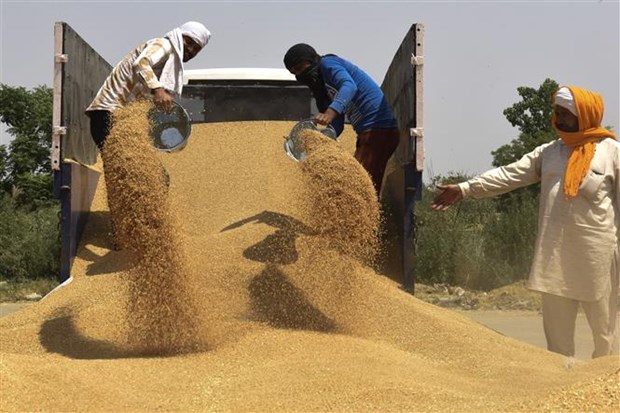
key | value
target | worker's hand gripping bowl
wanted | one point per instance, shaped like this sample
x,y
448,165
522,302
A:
x,y
170,130
292,145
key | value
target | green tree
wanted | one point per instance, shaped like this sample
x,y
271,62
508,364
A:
x,y
510,236
450,245
532,116
28,115
29,240
28,214
3,162
488,243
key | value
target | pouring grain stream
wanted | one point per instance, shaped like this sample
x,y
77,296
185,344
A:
x,y
160,311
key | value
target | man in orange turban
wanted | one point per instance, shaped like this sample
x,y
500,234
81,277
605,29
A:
x,y
576,253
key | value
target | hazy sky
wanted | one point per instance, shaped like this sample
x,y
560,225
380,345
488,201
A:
x,y
476,53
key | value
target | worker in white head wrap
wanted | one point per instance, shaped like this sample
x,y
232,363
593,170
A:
x,y
187,40
153,70
197,32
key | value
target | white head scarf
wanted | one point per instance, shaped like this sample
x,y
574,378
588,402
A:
x,y
564,98
172,73
197,31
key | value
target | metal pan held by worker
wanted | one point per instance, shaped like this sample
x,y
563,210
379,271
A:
x,y
170,131
292,145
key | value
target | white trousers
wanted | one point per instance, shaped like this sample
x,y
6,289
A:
x,y
560,315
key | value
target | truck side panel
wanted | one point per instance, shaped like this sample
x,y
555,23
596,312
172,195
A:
x,y
403,179
81,72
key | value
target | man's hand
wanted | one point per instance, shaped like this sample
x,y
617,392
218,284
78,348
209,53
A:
x,y
450,195
325,118
162,99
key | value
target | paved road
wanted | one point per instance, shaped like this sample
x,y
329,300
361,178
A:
x,y
8,308
528,327
523,326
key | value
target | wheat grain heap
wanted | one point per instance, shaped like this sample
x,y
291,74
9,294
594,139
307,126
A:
x,y
238,289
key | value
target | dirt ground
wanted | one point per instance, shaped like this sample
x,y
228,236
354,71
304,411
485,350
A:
x,y
513,297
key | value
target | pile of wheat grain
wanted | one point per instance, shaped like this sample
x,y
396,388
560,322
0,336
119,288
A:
x,y
290,324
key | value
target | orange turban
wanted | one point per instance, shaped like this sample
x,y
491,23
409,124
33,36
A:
x,y
590,108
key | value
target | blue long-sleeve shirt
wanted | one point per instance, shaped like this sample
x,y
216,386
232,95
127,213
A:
x,y
354,93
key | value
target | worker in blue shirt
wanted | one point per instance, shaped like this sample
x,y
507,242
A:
x,y
340,88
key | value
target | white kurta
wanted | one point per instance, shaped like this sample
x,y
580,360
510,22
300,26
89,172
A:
x,y
576,241
135,76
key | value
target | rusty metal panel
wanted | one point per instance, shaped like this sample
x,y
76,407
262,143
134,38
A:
x,y
78,74
418,130
83,74
403,88
57,130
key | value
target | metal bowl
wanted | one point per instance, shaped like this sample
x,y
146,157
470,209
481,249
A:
x,y
292,145
170,130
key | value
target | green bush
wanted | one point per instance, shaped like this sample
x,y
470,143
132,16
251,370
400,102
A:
x,y
509,239
479,244
30,241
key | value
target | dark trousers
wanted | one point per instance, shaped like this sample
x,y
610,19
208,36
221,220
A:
x,y
373,149
100,123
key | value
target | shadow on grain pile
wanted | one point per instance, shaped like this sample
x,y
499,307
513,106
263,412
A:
x,y
341,214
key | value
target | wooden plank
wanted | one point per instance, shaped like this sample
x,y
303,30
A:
x,y
398,87
78,74
419,98
403,90
84,73
57,98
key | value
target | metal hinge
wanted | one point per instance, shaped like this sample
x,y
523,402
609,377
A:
x,y
419,132
59,130
417,60
61,58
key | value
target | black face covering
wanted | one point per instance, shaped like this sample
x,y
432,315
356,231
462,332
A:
x,y
299,53
310,76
